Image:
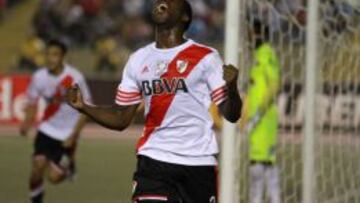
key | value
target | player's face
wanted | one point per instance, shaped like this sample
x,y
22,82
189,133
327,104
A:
x,y
167,12
54,57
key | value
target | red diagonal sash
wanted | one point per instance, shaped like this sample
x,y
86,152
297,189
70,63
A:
x,y
54,106
160,104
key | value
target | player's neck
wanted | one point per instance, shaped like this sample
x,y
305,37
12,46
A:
x,y
58,70
169,37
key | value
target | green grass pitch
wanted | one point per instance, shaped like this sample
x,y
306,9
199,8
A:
x,y
105,172
106,167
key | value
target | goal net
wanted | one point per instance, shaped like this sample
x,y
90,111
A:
x,y
336,152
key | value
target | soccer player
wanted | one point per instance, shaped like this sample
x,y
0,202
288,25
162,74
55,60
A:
x,y
60,126
177,78
261,117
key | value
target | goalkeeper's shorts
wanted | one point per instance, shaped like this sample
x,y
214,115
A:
x,y
156,181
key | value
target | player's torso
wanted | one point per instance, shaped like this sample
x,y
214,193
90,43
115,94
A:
x,y
163,75
59,118
175,81
177,100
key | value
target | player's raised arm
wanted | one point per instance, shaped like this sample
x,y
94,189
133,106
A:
x,y
231,107
222,82
113,117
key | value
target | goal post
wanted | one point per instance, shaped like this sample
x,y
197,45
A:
x,y
227,155
317,43
310,93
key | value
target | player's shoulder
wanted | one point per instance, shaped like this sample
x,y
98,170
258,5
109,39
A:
x,y
40,73
141,52
73,71
212,55
200,46
266,50
138,57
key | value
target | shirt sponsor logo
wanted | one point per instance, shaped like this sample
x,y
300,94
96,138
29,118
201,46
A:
x,y
164,86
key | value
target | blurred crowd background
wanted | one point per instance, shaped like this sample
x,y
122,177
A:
x,y
102,33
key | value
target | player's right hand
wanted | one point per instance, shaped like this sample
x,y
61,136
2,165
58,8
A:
x,y
74,97
24,129
70,142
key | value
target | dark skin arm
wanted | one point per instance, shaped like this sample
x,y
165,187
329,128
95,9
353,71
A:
x,y
113,117
231,107
119,117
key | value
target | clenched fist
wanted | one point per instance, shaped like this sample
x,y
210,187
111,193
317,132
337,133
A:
x,y
74,98
230,74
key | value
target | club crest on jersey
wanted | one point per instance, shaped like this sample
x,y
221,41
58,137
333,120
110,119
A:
x,y
181,66
161,67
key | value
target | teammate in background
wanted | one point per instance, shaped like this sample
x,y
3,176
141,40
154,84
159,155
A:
x,y
177,78
60,127
261,117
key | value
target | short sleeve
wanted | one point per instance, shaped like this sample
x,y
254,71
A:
x,y
128,92
85,89
33,92
215,80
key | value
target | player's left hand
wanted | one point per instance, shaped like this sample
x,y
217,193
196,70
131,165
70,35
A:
x,y
70,142
231,74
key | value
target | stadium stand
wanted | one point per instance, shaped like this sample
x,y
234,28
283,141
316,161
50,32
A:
x,y
107,31
14,30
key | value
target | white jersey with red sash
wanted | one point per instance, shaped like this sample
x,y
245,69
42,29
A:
x,y
177,85
59,118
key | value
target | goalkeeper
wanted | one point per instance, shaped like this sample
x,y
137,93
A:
x,y
261,117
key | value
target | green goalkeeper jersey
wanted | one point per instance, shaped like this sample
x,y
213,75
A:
x,y
264,85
